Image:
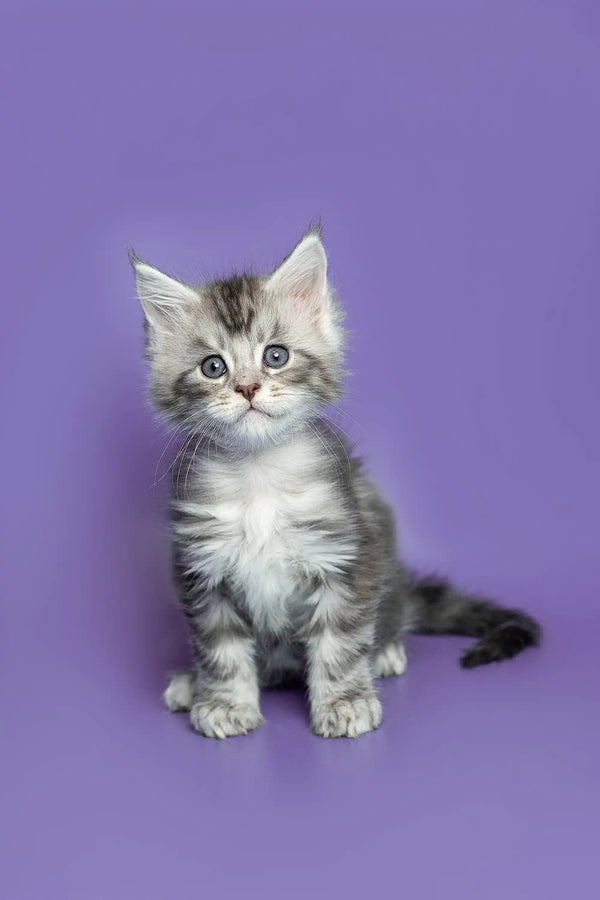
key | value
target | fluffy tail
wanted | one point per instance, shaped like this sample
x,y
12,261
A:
x,y
437,608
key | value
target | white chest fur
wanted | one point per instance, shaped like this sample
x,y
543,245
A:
x,y
257,523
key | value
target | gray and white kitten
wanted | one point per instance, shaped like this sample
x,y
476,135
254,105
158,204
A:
x,y
284,551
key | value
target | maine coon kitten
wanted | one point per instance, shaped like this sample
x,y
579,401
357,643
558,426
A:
x,y
284,551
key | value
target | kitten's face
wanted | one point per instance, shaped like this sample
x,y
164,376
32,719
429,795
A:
x,y
244,361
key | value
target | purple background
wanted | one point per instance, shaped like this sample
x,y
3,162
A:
x,y
453,152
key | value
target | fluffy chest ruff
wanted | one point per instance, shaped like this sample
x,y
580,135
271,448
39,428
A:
x,y
268,526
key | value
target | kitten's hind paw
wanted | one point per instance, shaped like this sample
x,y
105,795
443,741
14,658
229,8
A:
x,y
179,695
347,718
226,720
391,661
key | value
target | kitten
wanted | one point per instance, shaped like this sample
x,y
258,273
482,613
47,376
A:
x,y
284,552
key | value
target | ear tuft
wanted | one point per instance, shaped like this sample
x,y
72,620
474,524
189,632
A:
x,y
133,257
315,227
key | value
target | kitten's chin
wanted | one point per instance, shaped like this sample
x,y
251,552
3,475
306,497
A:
x,y
258,428
255,425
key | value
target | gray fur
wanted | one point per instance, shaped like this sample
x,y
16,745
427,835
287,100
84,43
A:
x,y
284,552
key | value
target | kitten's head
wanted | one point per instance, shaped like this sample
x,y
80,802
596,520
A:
x,y
245,360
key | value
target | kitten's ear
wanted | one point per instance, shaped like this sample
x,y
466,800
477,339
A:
x,y
162,297
304,273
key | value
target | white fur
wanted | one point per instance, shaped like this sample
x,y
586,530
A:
x,y
161,296
179,694
391,661
304,273
225,721
257,532
347,718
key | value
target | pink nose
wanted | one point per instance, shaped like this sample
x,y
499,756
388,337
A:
x,y
248,390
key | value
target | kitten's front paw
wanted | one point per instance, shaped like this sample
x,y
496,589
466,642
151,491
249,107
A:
x,y
347,718
225,720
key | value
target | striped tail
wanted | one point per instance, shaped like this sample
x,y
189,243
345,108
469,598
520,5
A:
x,y
438,608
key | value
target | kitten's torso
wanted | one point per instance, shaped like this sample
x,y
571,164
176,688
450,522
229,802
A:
x,y
268,525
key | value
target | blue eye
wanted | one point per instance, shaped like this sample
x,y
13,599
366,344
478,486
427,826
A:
x,y
276,357
213,367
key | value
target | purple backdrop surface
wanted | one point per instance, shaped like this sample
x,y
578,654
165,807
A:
x,y
453,152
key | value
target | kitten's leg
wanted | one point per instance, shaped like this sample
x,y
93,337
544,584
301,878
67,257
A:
x,y
340,678
390,661
226,695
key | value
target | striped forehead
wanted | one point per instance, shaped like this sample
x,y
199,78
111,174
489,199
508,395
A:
x,y
234,302
242,315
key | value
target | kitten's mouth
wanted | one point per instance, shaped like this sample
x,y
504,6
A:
x,y
254,409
